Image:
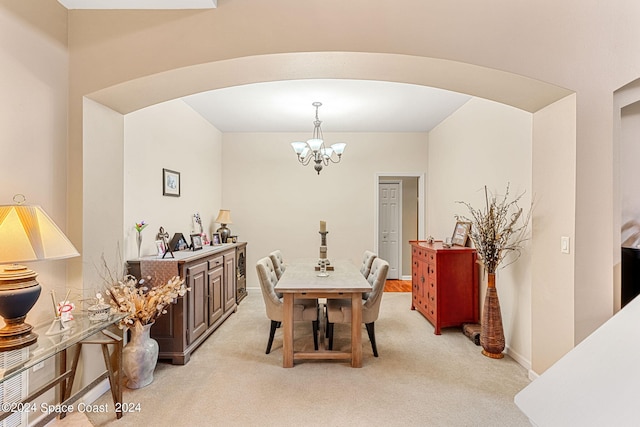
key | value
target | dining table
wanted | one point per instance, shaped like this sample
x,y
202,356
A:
x,y
301,279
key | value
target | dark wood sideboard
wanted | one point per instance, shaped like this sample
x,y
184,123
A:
x,y
444,284
211,274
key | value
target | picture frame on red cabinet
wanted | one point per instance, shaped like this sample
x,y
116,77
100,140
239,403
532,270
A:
x,y
461,233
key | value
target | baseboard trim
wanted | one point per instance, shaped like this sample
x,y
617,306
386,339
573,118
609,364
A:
x,y
522,361
93,394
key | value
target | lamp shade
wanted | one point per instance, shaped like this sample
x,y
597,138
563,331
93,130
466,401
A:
x,y
28,234
224,217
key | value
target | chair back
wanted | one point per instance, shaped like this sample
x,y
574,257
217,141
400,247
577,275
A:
x,y
268,281
377,278
367,260
278,263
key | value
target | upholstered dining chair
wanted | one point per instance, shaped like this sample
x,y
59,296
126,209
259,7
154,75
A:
x,y
278,263
365,268
339,310
303,309
367,260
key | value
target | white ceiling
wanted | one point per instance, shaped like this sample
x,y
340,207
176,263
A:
x,y
139,4
347,106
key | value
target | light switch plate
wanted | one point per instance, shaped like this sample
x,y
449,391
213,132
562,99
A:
x,y
565,247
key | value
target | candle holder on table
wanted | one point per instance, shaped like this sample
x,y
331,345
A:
x,y
324,264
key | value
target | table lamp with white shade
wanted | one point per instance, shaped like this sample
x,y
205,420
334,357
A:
x,y
26,234
224,218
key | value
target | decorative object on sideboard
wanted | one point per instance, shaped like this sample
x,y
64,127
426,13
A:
x,y
178,242
162,243
497,231
461,233
196,242
315,149
139,227
224,219
170,183
197,221
215,239
27,234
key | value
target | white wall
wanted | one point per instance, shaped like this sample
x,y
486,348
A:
x,y
276,203
173,136
103,183
485,143
34,75
33,125
553,217
103,178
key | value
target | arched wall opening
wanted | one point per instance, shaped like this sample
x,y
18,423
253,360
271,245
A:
x,y
552,107
626,204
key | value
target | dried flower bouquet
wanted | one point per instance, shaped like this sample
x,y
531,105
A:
x,y
498,230
144,304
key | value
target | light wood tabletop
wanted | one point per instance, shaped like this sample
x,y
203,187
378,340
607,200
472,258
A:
x,y
301,280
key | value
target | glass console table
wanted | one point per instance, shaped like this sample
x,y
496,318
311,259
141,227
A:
x,y
82,331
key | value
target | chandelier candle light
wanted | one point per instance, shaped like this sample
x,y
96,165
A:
x,y
315,149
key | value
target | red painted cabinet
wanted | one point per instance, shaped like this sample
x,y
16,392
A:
x,y
444,284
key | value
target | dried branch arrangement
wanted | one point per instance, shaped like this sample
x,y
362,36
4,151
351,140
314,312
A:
x,y
497,231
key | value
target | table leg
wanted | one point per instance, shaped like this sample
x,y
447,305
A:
x,y
356,330
287,330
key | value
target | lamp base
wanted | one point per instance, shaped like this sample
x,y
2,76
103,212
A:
x,y
19,291
16,334
225,233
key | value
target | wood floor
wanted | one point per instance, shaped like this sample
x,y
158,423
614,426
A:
x,y
397,286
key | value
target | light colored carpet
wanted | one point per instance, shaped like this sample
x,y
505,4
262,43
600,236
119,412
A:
x,y
420,379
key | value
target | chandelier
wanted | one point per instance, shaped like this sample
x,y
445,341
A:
x,y
315,149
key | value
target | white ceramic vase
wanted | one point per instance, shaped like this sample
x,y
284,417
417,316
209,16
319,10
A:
x,y
139,242
140,356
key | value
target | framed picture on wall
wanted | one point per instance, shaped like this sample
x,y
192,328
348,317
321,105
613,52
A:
x,y
170,183
461,233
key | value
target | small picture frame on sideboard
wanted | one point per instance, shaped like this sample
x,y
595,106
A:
x,y
178,242
461,233
160,245
196,242
215,239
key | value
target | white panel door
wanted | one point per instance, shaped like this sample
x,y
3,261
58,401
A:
x,y
389,226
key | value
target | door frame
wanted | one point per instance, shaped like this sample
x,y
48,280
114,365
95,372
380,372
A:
x,y
400,216
382,176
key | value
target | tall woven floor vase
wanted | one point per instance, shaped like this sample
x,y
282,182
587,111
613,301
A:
x,y
491,332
